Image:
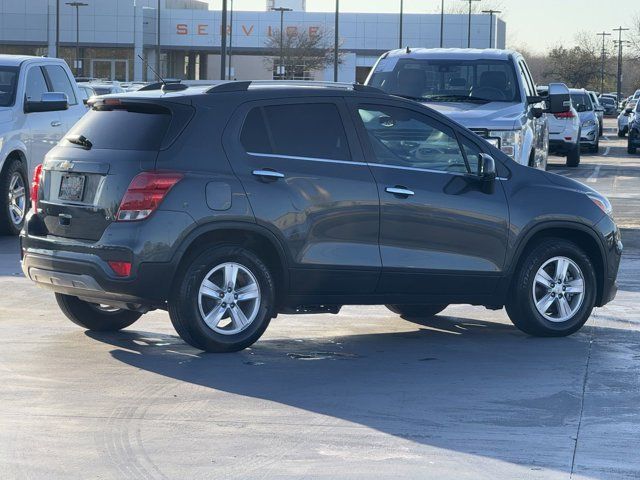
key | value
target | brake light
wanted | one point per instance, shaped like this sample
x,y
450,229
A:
x,y
568,114
121,269
35,186
145,193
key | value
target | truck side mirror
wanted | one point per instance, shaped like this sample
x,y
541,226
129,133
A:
x,y
559,98
49,102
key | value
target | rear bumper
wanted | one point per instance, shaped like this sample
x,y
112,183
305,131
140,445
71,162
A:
x,y
560,147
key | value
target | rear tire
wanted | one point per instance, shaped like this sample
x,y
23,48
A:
x,y
93,317
632,150
527,290
13,178
416,311
217,324
621,133
573,157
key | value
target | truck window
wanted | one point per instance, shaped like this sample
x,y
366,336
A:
x,y
36,84
8,86
60,82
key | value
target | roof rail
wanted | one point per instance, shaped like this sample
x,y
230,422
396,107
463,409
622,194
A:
x,y
241,86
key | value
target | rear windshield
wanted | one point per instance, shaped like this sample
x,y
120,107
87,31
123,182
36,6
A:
x,y
8,82
134,128
581,102
607,100
442,80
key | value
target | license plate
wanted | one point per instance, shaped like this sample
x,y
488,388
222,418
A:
x,y
72,188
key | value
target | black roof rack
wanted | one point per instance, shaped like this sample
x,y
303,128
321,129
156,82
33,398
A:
x,y
242,86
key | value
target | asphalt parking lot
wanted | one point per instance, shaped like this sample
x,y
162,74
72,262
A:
x,y
361,395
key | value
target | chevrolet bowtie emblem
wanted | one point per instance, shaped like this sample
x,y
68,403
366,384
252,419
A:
x,y
65,165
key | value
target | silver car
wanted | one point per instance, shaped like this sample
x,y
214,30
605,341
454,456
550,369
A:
x,y
564,136
599,110
589,124
625,117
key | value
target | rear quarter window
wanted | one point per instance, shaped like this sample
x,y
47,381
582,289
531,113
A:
x,y
134,128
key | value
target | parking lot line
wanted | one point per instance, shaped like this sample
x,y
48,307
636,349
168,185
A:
x,y
594,176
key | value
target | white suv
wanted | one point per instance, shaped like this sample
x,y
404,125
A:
x,y
39,102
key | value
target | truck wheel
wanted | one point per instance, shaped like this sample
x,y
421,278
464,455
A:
x,y
416,311
94,317
573,157
553,291
223,300
15,194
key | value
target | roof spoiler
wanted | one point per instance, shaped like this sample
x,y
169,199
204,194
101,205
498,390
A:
x,y
243,86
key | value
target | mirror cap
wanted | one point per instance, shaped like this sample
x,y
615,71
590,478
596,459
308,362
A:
x,y
49,102
559,99
487,167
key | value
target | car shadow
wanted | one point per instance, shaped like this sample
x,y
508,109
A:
x,y
464,385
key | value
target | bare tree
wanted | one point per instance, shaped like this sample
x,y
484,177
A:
x,y
303,51
462,7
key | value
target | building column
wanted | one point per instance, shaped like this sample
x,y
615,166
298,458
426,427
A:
x,y
203,65
191,67
138,42
51,28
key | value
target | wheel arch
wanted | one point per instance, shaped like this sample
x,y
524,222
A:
x,y
249,235
15,154
582,235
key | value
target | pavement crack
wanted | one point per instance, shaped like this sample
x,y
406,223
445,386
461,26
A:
x,y
584,389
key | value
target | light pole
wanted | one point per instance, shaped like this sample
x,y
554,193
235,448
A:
x,y
469,34
223,43
441,23
58,28
491,12
281,70
335,46
604,35
619,85
401,13
230,38
77,5
158,66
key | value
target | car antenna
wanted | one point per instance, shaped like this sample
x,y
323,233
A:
x,y
146,64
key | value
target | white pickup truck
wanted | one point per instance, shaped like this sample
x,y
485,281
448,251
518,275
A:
x,y
39,102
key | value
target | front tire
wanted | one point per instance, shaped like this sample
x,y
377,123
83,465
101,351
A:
x,y
15,198
553,291
95,317
416,311
224,300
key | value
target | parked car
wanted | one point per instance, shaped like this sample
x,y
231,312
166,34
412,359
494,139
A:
x,y
634,131
229,204
105,88
490,92
589,126
38,104
624,118
599,111
564,133
86,92
610,105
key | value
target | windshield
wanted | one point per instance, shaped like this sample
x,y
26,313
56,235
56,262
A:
x,y
581,102
447,80
8,82
607,101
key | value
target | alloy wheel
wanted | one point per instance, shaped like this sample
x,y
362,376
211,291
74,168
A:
x,y
229,298
17,199
558,289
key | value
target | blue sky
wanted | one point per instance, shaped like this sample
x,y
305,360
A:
x,y
535,24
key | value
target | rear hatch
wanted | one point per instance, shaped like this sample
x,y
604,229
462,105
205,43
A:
x,y
87,174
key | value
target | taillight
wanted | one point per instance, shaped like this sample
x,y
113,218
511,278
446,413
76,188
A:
x,y
568,114
145,193
121,269
35,186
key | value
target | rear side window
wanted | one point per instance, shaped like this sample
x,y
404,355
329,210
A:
x,y
36,84
60,82
299,130
133,128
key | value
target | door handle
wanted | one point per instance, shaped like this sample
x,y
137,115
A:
x,y
56,123
400,191
268,174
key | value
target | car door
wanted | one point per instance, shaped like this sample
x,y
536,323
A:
x,y
42,130
442,231
306,180
59,81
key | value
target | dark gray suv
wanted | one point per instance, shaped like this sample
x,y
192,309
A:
x,y
226,205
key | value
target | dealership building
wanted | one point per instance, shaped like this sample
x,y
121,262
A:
x,y
112,37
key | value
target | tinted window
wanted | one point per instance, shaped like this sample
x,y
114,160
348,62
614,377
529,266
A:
x,y
137,128
8,83
406,138
36,84
448,80
60,82
607,101
581,102
300,130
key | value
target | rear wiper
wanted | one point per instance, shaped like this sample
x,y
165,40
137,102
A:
x,y
457,98
79,140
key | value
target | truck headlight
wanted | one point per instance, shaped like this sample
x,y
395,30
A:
x,y
588,123
510,141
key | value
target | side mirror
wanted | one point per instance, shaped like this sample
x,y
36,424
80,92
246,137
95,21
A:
x,y
487,168
49,102
559,98
628,110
